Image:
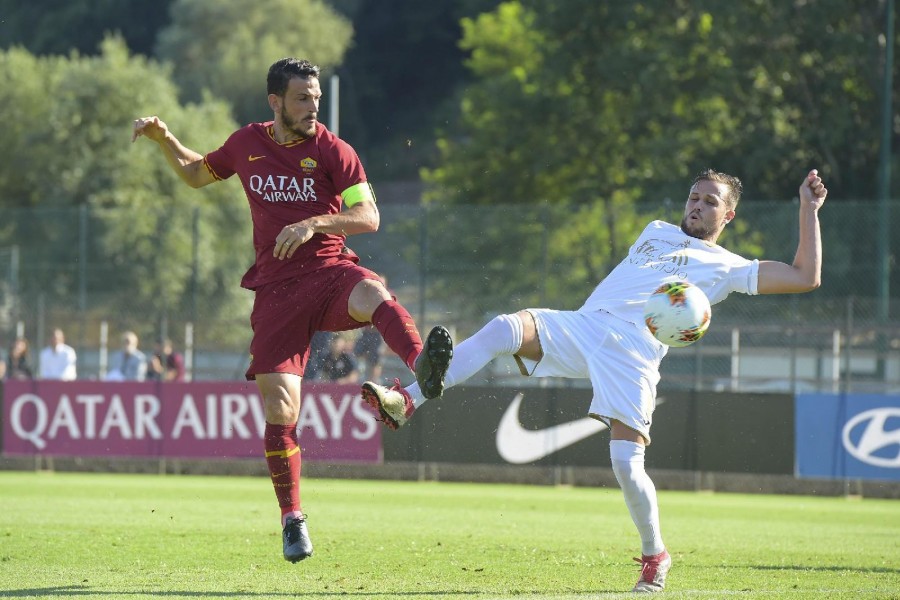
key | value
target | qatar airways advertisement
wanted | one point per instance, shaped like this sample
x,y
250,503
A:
x,y
179,420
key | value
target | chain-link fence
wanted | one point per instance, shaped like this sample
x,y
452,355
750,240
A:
x,y
459,266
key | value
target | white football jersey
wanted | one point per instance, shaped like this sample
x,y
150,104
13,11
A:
x,y
664,253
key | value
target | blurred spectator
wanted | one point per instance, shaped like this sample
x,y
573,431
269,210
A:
x,y
319,347
4,358
370,350
129,364
58,360
166,364
18,365
340,366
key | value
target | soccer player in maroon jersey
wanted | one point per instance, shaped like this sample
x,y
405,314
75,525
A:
x,y
297,175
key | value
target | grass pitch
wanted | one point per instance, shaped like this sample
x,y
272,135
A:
x,y
70,535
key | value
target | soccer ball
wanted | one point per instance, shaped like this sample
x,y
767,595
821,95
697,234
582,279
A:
x,y
677,313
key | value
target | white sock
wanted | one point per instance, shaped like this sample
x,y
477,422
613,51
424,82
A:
x,y
640,493
501,335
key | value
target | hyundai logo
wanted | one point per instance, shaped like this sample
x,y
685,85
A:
x,y
872,445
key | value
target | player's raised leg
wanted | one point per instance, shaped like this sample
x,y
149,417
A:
x,y
429,361
433,362
505,334
394,404
371,302
281,401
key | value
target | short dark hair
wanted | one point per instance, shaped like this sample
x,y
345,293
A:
x,y
281,73
734,184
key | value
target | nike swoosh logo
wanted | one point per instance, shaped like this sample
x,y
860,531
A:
x,y
518,445
251,158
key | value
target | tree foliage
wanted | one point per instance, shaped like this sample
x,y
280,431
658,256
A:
x,y
401,78
60,26
226,48
590,107
400,75
69,146
575,114
762,88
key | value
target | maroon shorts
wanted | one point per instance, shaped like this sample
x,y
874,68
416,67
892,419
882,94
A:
x,y
287,313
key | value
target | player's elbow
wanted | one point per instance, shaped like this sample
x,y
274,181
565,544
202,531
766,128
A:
x,y
814,279
374,221
806,279
197,179
809,285
196,175
791,283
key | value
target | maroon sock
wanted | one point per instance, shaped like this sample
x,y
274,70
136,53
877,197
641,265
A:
x,y
399,331
283,458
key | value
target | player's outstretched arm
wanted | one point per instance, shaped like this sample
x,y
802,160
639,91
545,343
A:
x,y
805,273
184,161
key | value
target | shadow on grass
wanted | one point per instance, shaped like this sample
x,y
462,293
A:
x,y
83,590
834,568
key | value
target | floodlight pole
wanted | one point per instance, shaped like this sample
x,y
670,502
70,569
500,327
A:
x,y
884,171
334,98
884,185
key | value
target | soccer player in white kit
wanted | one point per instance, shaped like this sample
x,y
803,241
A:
x,y
607,342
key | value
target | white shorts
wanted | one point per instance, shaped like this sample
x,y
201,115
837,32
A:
x,y
621,360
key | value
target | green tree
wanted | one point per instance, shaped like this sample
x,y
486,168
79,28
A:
x,y
69,147
227,46
401,79
591,107
60,26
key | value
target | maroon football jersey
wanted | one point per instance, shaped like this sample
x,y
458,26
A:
x,y
286,183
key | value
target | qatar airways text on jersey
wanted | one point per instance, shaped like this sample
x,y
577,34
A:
x,y
283,188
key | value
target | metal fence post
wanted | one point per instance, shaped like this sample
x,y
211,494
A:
x,y
195,261
40,329
82,280
188,351
836,361
104,349
423,260
735,359
14,284
848,378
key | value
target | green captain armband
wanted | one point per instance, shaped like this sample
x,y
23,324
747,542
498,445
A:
x,y
361,192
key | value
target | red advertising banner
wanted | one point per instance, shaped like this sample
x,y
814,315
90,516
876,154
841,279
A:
x,y
179,420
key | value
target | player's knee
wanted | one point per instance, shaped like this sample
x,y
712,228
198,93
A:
x,y
366,296
280,394
529,344
506,332
280,409
627,459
